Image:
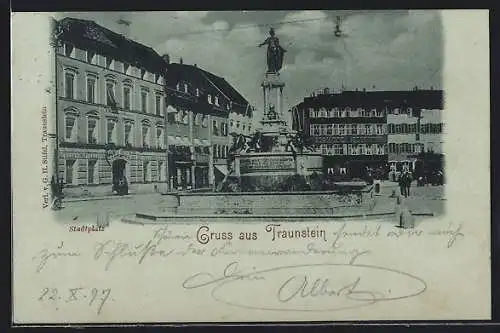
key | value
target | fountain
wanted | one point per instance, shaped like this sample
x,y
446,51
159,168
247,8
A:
x,y
261,170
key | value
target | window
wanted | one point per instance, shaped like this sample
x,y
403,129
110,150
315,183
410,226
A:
x,y
404,128
178,86
224,129
92,130
392,148
312,113
126,68
159,137
232,123
158,104
127,97
214,127
185,88
144,101
109,62
237,124
361,129
197,92
146,140
70,128
110,94
329,129
146,171
204,122
91,89
338,149
216,100
354,113
323,113
391,128
69,50
69,172
69,85
91,57
162,171
316,129
354,129
92,175
380,129
341,129
111,131
129,134
209,97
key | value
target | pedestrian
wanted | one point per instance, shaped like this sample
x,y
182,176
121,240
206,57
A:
x,y
408,181
402,187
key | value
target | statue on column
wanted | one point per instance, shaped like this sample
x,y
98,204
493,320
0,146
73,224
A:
x,y
275,53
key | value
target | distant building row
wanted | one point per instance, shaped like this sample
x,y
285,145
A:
x,y
359,129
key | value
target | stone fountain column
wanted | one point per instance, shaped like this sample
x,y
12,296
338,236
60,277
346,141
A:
x,y
272,123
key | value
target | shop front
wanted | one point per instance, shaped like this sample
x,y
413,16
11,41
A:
x,y
180,164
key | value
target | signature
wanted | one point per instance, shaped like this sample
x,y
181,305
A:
x,y
43,257
308,287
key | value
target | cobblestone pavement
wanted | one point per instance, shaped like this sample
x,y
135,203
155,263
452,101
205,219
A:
x,y
422,199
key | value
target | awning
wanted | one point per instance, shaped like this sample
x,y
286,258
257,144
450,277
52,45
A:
x,y
222,168
186,141
171,109
206,143
197,142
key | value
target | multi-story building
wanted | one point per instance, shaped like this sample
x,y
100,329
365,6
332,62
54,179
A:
x,y
203,110
109,110
348,128
359,129
415,128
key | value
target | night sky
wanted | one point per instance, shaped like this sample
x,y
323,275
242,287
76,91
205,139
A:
x,y
380,50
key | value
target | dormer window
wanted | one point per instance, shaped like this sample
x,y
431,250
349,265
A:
x,y
109,62
126,68
197,92
216,100
185,88
178,86
91,57
69,50
209,97
143,74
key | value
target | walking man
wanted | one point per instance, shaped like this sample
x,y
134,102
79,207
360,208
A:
x,y
402,185
408,180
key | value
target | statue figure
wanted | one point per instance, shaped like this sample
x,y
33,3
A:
x,y
274,53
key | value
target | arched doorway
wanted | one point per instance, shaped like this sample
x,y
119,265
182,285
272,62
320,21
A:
x,y
120,181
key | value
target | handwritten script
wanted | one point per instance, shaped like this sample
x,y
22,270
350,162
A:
x,y
309,287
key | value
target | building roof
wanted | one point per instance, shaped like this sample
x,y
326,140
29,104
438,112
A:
x,y
427,99
89,35
203,78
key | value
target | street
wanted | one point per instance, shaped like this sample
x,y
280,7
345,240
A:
x,y
422,200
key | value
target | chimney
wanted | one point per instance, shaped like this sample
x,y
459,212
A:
x,y
195,65
364,89
432,88
124,27
166,58
181,61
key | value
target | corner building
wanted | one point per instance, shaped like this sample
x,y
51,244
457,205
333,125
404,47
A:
x,y
348,128
203,111
110,110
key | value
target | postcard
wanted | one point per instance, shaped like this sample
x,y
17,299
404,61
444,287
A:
x,y
250,166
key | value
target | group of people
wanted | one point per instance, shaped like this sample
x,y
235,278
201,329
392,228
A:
x,y
405,179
